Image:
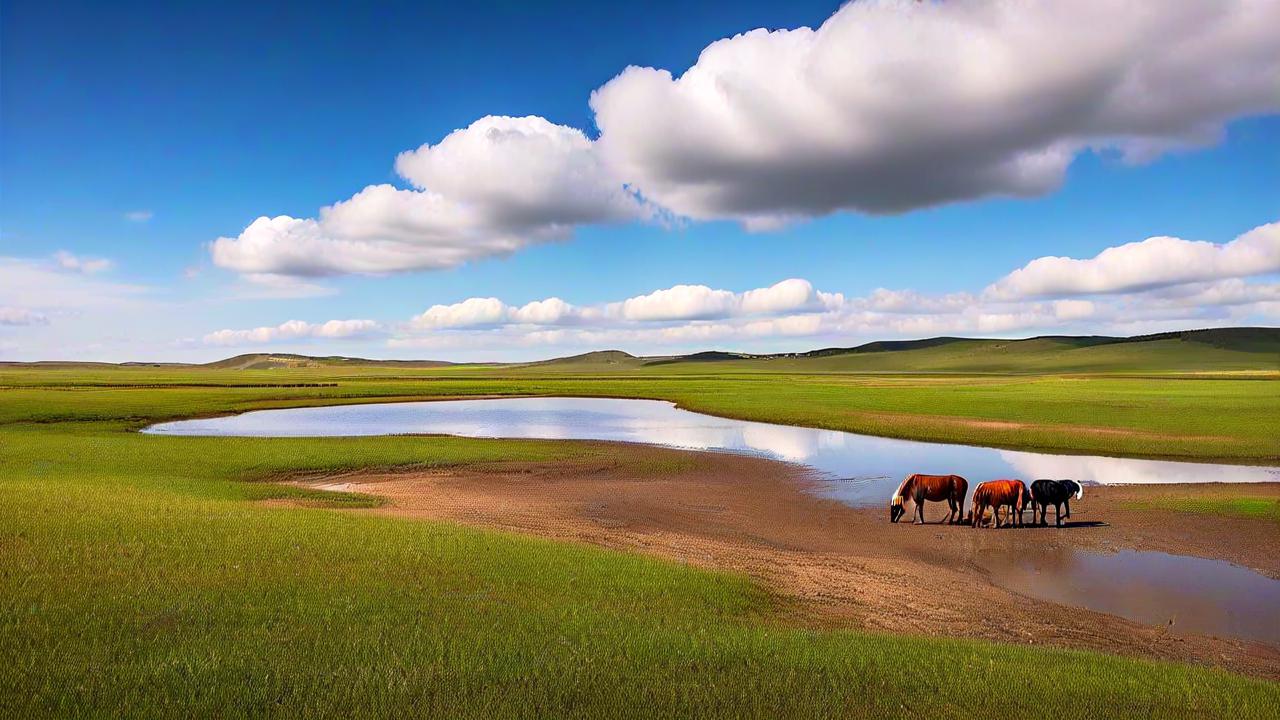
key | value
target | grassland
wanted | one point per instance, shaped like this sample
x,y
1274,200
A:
x,y
1265,508
141,576
1182,417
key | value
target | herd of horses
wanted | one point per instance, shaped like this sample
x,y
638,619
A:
x,y
993,495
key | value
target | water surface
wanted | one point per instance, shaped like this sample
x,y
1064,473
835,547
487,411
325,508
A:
x,y
859,469
1184,594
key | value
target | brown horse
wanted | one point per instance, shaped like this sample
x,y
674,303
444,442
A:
x,y
935,488
996,494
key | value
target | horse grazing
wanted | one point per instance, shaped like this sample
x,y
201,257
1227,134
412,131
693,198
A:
x,y
1056,493
996,494
934,488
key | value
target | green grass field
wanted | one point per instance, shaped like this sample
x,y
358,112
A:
x,y
1257,507
141,577
1197,418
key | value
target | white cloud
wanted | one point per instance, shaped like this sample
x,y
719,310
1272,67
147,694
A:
x,y
892,105
470,312
699,302
46,287
1073,309
295,330
1153,263
911,301
488,311
794,294
270,286
888,106
85,265
524,172
682,302
486,190
21,316
139,216
698,317
546,312
794,315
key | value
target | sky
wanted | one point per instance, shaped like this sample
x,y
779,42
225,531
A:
x,y
514,181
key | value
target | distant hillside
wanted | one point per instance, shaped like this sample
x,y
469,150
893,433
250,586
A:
x,y
268,361
1218,349
1210,350
598,359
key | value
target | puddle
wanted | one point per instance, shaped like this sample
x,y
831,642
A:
x,y
1183,594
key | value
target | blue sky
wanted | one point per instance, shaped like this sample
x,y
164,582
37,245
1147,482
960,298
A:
x,y
136,135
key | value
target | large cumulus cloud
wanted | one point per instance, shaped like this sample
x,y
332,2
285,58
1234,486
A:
x,y
888,106
892,105
489,189
1152,263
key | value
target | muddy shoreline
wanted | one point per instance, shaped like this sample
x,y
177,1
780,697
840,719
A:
x,y
835,566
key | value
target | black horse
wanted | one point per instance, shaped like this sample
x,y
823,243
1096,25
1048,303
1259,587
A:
x,y
1056,493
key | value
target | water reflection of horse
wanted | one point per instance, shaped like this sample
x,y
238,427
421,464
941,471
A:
x,y
997,494
934,488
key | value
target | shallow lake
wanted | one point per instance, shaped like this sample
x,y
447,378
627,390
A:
x,y
859,469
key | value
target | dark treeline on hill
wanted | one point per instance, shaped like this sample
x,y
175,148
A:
x,y
1215,349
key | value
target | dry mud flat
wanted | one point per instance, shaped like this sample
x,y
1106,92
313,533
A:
x,y
837,566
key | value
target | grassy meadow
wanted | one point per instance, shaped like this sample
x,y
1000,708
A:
x,y
144,576
1264,508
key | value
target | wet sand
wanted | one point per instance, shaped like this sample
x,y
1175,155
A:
x,y
832,565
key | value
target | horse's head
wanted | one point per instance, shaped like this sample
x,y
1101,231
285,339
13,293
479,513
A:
x,y
896,509
1079,488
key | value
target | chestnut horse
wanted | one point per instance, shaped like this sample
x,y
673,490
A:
x,y
935,488
996,494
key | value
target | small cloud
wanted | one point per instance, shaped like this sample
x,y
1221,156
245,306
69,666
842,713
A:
x,y
139,216
21,316
83,265
296,330
191,273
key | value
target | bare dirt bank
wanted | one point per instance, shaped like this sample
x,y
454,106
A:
x,y
838,566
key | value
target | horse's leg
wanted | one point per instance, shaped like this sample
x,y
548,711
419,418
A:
x,y
1057,515
1068,502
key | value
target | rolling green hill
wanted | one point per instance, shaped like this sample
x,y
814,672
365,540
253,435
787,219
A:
x,y
1192,351
1215,350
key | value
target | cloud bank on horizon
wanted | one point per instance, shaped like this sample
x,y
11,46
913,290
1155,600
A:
x,y
1135,287
887,107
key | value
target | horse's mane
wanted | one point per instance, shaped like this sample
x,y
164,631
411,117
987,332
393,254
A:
x,y
897,494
